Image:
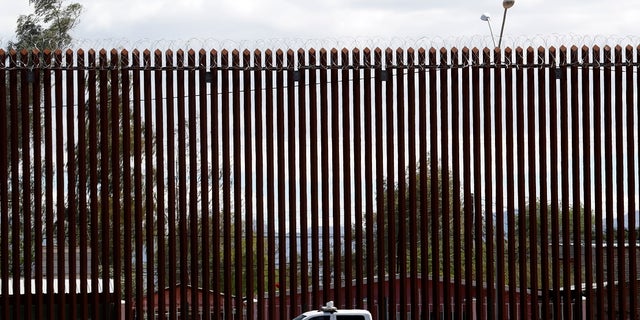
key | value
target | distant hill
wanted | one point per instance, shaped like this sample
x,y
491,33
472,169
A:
x,y
626,221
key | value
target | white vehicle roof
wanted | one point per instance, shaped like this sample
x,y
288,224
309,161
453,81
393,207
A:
x,y
330,309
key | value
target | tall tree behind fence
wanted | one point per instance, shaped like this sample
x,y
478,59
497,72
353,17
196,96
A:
x,y
488,184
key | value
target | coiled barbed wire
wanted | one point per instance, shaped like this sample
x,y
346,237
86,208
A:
x,y
429,41
478,45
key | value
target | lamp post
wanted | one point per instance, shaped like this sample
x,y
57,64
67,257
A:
x,y
506,4
486,17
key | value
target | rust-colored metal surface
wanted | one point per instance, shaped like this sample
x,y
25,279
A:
x,y
412,182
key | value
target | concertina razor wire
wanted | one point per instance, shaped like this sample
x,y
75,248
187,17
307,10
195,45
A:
x,y
285,53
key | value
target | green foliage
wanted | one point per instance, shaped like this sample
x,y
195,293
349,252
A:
x,y
425,214
557,218
48,27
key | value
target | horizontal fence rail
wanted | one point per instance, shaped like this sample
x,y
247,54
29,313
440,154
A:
x,y
414,183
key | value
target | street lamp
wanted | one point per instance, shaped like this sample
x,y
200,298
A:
x,y
506,4
486,17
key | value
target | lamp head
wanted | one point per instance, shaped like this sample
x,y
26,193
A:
x,y
508,3
485,17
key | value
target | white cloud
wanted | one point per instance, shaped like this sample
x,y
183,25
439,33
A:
x,y
8,16
259,20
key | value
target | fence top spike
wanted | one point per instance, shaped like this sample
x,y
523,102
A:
x,y
585,50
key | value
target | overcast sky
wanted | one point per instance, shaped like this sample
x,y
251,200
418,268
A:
x,y
113,22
